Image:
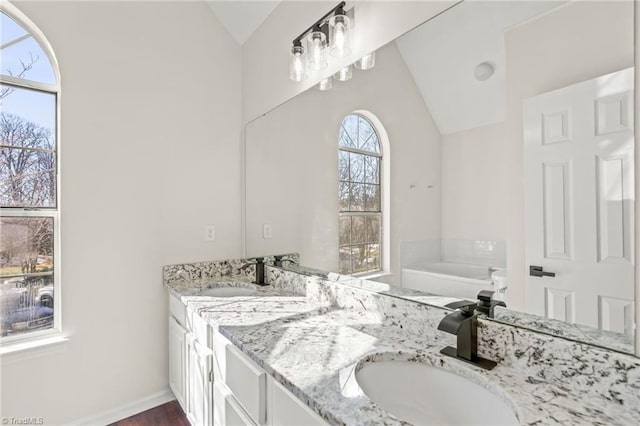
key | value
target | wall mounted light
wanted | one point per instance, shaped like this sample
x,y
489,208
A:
x,y
297,65
316,46
331,33
366,62
325,84
340,25
344,74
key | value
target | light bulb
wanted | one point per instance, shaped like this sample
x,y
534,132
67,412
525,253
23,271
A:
x,y
340,39
367,61
297,70
325,84
316,42
317,50
297,64
344,74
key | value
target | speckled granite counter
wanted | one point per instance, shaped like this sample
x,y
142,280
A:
x,y
310,333
618,341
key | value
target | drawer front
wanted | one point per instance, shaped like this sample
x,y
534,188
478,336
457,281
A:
x,y
287,410
178,310
227,411
247,382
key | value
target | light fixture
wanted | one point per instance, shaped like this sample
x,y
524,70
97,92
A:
x,y
344,74
340,25
325,84
316,46
484,71
329,33
297,66
367,61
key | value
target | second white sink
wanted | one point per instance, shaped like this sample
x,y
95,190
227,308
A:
x,y
426,395
229,289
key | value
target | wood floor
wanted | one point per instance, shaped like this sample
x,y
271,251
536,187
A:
x,y
169,414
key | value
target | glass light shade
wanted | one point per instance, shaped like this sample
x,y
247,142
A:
x,y
344,74
316,46
367,61
325,84
297,66
340,26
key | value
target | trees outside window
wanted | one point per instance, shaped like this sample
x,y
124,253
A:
x,y
359,192
29,219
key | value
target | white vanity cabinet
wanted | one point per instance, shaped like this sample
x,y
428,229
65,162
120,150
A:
x,y
245,395
190,364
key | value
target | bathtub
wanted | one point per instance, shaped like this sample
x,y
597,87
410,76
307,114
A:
x,y
461,280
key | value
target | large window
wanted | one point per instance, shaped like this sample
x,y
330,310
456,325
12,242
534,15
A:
x,y
29,217
360,222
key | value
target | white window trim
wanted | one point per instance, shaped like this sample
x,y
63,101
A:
x,y
385,191
36,339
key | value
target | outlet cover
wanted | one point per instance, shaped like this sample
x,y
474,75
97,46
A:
x,y
210,233
266,231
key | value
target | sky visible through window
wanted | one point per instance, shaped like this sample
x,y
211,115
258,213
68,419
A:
x,y
26,103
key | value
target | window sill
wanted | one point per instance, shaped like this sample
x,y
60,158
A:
x,y
20,347
371,275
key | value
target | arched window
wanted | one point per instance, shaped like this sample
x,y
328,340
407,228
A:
x,y
360,201
29,181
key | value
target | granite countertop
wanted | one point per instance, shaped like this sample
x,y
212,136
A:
x,y
312,348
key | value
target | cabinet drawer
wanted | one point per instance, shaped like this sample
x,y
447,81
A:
x,y
287,410
178,310
227,411
247,382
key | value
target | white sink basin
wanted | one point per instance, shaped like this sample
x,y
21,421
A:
x,y
229,291
425,395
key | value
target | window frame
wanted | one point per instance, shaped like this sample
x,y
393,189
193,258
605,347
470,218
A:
x,y
380,213
8,343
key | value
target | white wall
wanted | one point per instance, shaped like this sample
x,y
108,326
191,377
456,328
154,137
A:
x,y
265,56
151,152
575,43
474,184
292,170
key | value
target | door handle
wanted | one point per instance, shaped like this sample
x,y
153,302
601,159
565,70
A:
x,y
536,271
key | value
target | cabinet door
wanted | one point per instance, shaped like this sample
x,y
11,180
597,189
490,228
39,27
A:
x,y
177,361
199,383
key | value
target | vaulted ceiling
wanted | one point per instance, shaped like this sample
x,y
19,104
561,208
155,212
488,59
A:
x,y
242,18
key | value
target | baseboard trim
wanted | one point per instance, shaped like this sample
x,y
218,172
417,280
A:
x,y
127,410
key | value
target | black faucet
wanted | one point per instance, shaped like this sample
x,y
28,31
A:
x,y
279,260
486,303
259,262
463,322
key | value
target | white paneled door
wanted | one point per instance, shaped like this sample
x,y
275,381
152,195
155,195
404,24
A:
x,y
579,202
